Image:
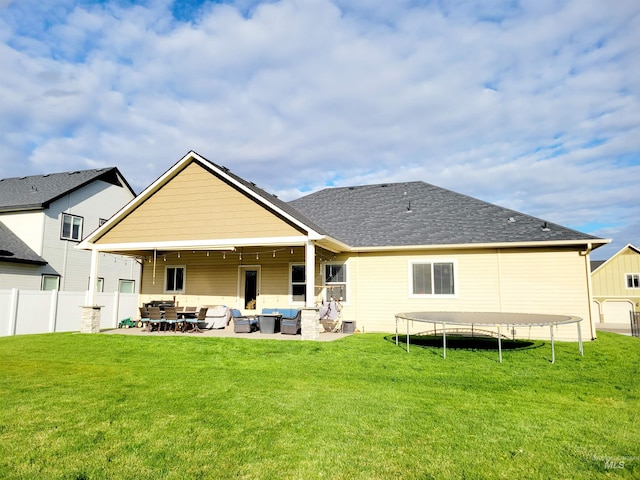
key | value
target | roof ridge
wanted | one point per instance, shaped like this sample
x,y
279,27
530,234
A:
x,y
69,172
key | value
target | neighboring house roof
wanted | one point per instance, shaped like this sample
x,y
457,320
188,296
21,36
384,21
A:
x,y
12,249
597,264
417,213
38,191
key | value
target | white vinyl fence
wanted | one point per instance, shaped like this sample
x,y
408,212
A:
x,y
34,311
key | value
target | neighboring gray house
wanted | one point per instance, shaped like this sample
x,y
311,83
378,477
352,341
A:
x,y
44,217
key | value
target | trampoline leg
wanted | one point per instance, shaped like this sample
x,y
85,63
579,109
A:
x,y
407,335
500,343
553,349
444,341
580,339
396,331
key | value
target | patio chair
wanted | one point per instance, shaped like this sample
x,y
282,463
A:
x,y
243,323
155,319
171,318
331,316
195,322
291,325
144,318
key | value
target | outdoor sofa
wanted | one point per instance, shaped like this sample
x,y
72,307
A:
x,y
291,321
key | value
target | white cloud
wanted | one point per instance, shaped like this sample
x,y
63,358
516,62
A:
x,y
535,107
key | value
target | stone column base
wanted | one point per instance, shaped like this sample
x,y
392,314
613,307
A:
x,y
90,322
310,324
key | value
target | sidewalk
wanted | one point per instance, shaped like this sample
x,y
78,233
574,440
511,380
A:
x,y
621,328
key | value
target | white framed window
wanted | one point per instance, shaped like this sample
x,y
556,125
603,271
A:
x,y
633,280
431,278
71,227
174,279
126,286
335,278
298,283
50,282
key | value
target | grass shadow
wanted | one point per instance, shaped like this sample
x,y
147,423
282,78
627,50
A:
x,y
465,342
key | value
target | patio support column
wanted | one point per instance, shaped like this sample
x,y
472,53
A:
x,y
90,321
310,268
93,275
310,323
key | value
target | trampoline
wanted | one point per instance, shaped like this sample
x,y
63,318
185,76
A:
x,y
492,319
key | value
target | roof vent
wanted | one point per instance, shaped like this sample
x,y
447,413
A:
x,y
545,227
511,220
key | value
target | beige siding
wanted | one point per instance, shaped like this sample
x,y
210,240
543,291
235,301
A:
x,y
196,205
610,279
527,281
610,290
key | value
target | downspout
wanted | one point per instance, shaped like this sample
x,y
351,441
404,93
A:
x,y
587,268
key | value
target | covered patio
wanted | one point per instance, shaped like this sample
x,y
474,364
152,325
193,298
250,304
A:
x,y
206,237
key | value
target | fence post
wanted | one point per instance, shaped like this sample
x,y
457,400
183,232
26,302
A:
x,y
116,308
635,323
13,311
53,311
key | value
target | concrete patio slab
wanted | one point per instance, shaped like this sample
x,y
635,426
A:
x,y
225,333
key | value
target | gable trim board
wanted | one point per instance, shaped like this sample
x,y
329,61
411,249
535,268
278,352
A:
x,y
491,229
612,257
219,172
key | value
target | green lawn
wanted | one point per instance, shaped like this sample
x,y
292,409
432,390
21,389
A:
x,y
110,406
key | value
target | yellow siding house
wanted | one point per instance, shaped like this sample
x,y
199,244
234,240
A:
x,y
205,236
616,286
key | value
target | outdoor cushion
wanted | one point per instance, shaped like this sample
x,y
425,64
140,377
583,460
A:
x,y
285,312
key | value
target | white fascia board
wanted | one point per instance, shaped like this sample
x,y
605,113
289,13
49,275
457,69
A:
x,y
205,244
467,246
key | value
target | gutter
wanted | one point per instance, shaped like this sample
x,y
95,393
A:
x,y
587,269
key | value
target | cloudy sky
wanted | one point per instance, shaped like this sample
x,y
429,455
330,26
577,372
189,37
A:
x,y
533,105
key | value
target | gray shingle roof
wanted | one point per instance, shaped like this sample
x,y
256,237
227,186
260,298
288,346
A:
x,y
38,191
12,249
379,215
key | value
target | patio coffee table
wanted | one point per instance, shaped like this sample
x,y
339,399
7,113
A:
x,y
269,322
